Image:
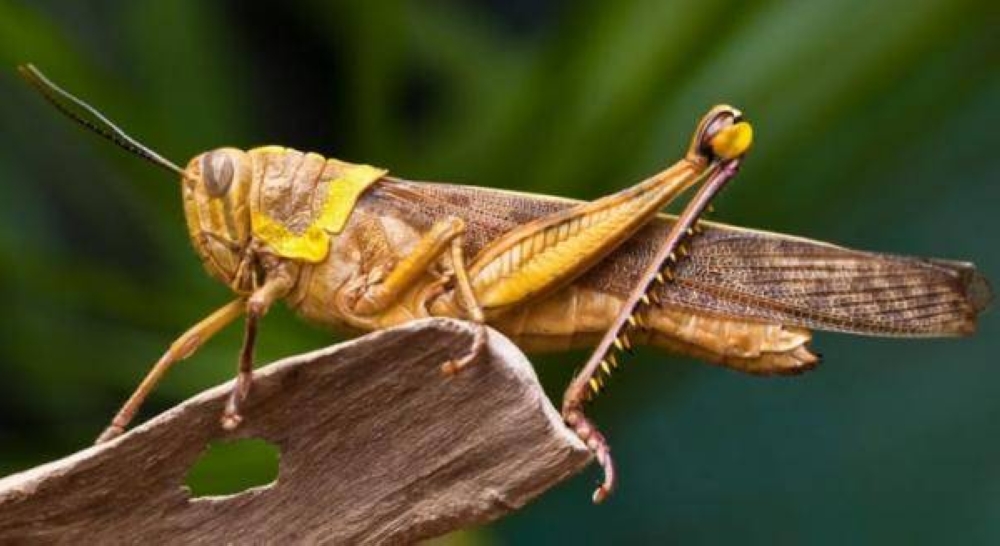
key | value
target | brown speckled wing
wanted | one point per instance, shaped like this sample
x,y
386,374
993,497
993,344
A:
x,y
735,272
814,285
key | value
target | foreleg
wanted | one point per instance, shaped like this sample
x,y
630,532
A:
x,y
278,282
180,349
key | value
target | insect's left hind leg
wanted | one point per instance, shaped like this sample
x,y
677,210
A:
x,y
588,382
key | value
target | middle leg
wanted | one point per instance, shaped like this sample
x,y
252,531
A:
x,y
472,310
444,238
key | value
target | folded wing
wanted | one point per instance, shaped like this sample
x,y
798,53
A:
x,y
736,272
798,282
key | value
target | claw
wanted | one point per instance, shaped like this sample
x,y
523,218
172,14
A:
x,y
474,353
600,494
230,421
231,415
597,445
450,368
603,454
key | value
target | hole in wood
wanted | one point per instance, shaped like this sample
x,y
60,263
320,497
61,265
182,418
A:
x,y
231,467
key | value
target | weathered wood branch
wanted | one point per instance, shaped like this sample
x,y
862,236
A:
x,y
376,446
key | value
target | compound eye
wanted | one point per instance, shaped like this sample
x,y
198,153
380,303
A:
x,y
217,171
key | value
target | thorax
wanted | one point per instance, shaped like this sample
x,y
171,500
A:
x,y
359,257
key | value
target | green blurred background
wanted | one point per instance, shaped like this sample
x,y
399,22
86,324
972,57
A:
x,y
876,128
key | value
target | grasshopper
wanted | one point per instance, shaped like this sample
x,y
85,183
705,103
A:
x,y
351,248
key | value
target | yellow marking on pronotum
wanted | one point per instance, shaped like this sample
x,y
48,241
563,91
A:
x,y
343,193
313,244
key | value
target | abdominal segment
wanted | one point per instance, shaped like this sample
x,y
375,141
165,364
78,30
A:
x,y
577,317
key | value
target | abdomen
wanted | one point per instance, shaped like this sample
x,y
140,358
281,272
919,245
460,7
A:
x,y
577,317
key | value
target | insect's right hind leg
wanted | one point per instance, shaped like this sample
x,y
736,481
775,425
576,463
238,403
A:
x,y
180,349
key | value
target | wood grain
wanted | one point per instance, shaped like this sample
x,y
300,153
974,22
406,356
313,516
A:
x,y
376,447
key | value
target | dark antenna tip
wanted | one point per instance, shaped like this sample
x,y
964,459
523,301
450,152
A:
x,y
89,117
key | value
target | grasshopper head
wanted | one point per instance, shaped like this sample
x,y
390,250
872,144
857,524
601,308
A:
x,y
216,193
722,135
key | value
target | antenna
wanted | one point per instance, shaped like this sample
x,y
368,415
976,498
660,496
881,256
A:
x,y
91,118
